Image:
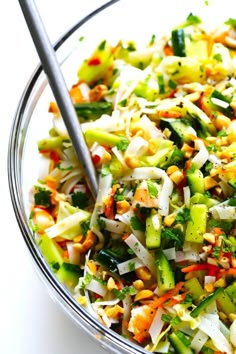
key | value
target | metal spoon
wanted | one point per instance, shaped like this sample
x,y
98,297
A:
x,y
57,83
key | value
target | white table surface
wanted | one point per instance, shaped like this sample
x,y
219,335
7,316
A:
x,y
30,321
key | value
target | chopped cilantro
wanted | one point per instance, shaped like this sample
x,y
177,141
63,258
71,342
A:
x,y
212,148
152,41
188,299
85,280
102,45
152,189
231,22
183,215
232,201
64,168
42,197
79,199
208,166
105,171
222,133
123,103
84,227
172,237
226,226
161,84
101,224
218,57
172,85
193,19
131,266
120,294
137,224
122,145
216,252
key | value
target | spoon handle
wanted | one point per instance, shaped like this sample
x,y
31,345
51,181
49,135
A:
x,y
57,83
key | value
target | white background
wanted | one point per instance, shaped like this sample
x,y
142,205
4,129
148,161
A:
x,y
30,321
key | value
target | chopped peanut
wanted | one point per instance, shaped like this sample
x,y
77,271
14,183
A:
x,y
177,177
82,300
92,266
188,150
138,284
131,161
152,147
122,206
193,97
114,311
111,284
220,283
172,169
232,317
209,182
209,287
222,316
222,122
169,220
98,93
78,238
143,273
143,295
210,237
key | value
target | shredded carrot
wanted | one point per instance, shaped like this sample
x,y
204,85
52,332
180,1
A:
x,y
76,94
168,295
168,50
202,266
65,254
53,108
230,271
217,231
173,301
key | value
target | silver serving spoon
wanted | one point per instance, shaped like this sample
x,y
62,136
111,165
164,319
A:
x,y
57,83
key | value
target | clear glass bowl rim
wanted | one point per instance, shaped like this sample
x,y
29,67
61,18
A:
x,y
15,147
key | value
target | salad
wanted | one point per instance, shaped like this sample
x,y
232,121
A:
x,y
154,257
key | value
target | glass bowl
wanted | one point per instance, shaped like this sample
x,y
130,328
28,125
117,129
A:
x,y
128,19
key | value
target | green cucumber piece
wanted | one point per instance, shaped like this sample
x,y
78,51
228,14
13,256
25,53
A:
x,y
51,251
165,274
178,42
196,227
195,181
69,274
153,230
206,302
179,346
194,287
92,110
180,132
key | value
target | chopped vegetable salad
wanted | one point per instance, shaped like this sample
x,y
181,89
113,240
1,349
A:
x,y
154,257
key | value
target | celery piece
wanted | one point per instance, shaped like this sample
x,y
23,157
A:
x,y
153,230
225,303
103,138
97,65
196,227
206,302
92,110
194,287
52,143
231,291
164,147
